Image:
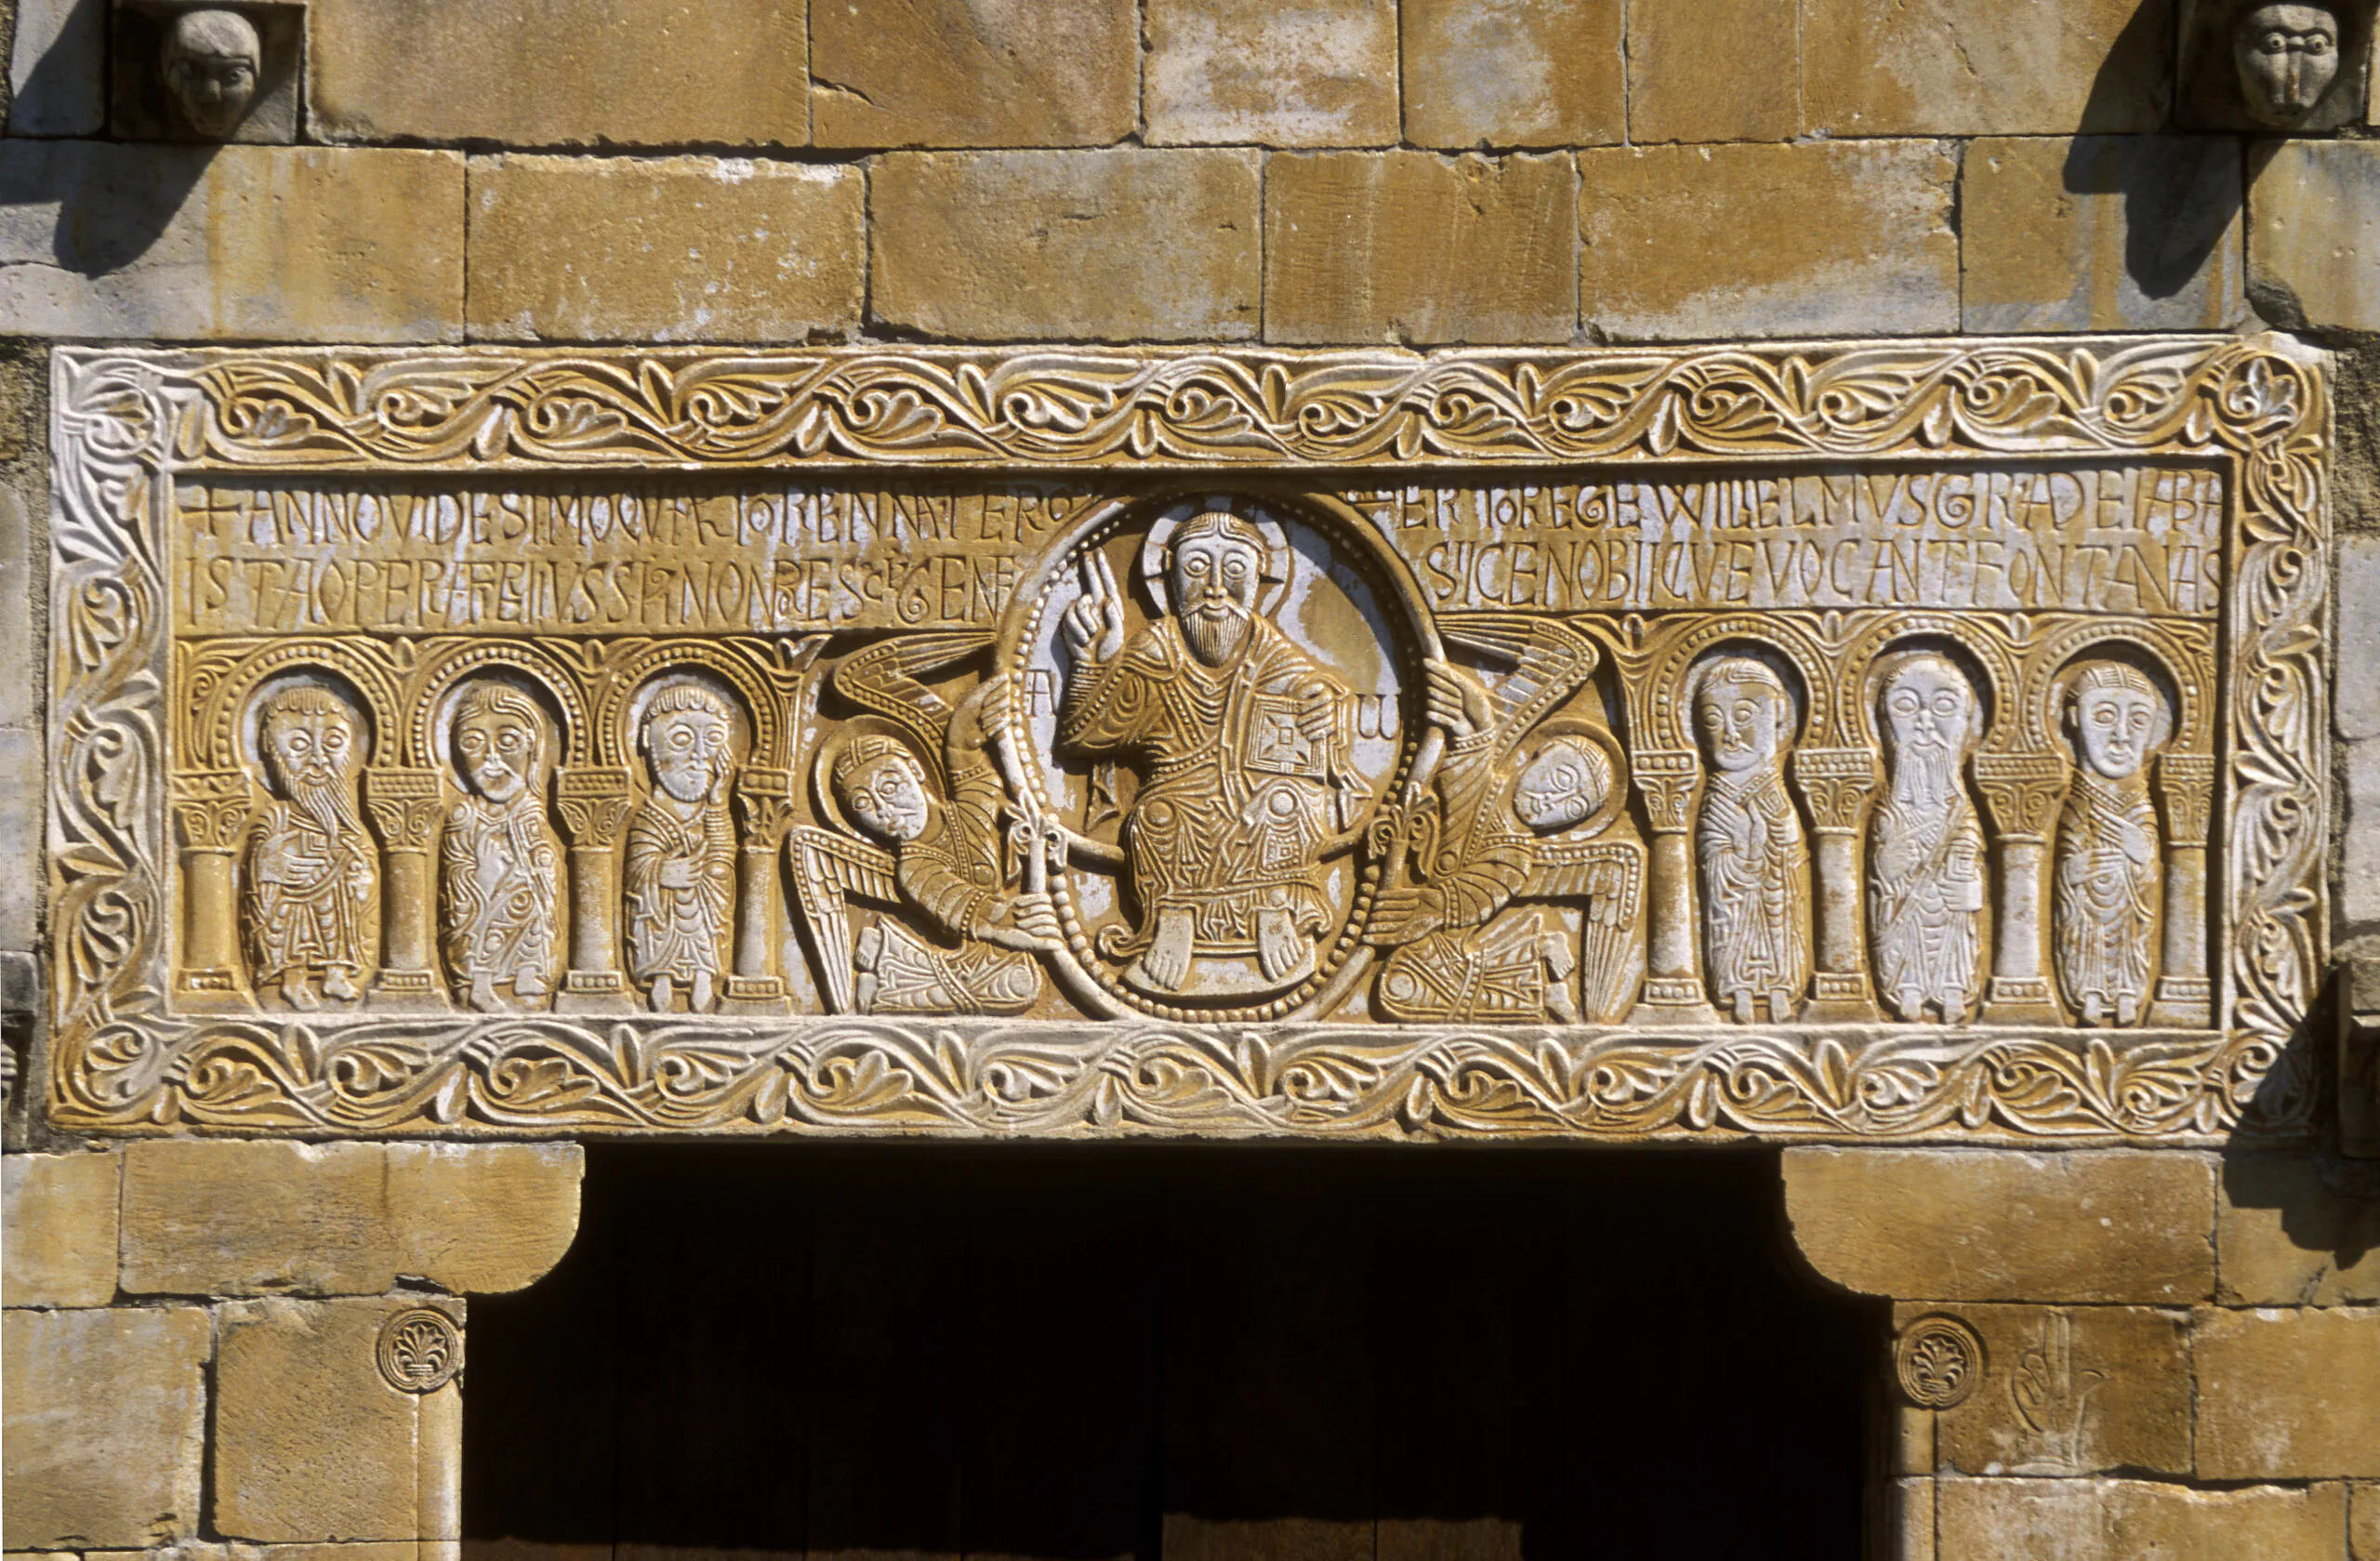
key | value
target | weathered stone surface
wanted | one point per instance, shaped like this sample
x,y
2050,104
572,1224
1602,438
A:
x,y
561,73
58,1213
2102,233
106,1418
1102,244
2364,1523
1713,70
1983,68
2284,1238
2069,1391
1512,72
2288,1395
302,244
2097,1225
57,68
312,1444
1910,1520
953,73
1414,247
2314,240
2356,709
2360,860
663,249
23,776
1850,237
2131,1520
227,1218
1274,72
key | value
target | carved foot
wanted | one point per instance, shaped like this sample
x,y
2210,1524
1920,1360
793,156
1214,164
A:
x,y
1167,959
701,1000
664,995
340,984
1559,1002
1781,1007
483,994
297,994
1742,999
1279,950
529,983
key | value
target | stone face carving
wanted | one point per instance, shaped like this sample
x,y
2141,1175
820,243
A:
x,y
680,873
1518,746
211,62
1926,848
2109,865
1755,857
311,870
500,888
2288,57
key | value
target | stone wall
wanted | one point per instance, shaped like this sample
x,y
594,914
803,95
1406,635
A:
x,y
2179,1351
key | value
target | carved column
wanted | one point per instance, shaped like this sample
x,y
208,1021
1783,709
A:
x,y
209,807
405,806
593,801
1673,990
765,800
1837,784
2184,997
2022,792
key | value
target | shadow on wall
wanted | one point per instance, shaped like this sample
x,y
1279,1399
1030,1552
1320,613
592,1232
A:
x,y
2180,194
1226,1351
113,201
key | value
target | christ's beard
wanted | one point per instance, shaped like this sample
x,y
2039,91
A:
x,y
1925,776
1214,632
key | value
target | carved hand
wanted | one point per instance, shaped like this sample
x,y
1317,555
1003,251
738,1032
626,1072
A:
x,y
1094,624
1402,915
1454,700
1317,712
1032,925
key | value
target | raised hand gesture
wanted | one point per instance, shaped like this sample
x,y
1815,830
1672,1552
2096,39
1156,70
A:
x,y
1094,624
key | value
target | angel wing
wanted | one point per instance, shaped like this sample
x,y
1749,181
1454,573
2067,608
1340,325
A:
x,y
828,871
1606,877
884,678
1549,660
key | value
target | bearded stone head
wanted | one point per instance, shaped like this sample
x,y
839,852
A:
x,y
685,737
2117,719
499,741
1215,568
210,63
1563,785
1742,711
2288,56
311,740
883,790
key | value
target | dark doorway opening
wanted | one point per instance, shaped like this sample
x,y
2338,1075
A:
x,y
1193,1353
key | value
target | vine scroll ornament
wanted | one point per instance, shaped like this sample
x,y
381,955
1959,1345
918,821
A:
x,y
1142,853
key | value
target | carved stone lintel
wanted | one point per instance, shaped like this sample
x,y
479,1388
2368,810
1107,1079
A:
x,y
593,801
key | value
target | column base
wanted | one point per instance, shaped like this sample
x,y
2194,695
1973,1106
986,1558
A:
x,y
1671,1000
2183,1002
594,992
406,992
2020,999
761,995
1841,998
216,991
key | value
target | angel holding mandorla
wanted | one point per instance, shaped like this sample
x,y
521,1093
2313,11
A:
x,y
930,845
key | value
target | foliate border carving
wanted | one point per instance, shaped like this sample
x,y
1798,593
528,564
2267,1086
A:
x,y
126,420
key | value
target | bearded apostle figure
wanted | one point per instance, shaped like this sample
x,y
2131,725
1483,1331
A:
x,y
313,872
2109,878
501,865
1755,858
681,877
1925,845
1246,741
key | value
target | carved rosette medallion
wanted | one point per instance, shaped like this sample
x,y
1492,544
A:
x,y
1938,1362
419,1349
1897,742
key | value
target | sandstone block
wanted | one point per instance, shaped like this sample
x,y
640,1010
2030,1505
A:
x,y
1109,246
663,249
205,1217
2314,240
1271,72
1687,243
1713,70
24,776
2288,1395
950,73
106,1425
2129,1520
1910,1519
1512,72
58,69
401,1550
2099,1225
302,244
2355,707
2282,1237
2360,860
561,73
2102,233
1413,247
1983,68
2069,1391
2364,1523
58,1229
312,1444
